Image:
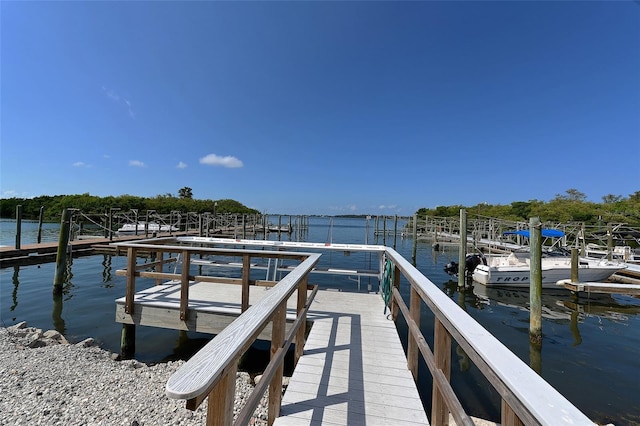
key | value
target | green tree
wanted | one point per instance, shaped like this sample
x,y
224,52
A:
x,y
185,192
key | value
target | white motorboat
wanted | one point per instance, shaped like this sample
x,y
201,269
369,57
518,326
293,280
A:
x,y
141,227
514,270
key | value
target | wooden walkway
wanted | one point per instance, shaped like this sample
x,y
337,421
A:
x,y
46,252
353,370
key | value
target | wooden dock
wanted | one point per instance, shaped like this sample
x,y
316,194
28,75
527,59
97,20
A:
x,y
353,370
608,288
32,254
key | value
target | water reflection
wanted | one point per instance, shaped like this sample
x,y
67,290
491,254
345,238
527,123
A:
x,y
56,314
16,283
106,270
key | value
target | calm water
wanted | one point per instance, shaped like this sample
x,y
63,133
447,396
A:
x,y
590,351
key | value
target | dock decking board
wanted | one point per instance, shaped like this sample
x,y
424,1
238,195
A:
x,y
353,370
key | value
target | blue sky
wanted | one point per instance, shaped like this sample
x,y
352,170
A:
x,y
321,107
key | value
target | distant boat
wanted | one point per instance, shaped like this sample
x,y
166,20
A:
x,y
141,227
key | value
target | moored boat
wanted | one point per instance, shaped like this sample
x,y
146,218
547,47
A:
x,y
514,270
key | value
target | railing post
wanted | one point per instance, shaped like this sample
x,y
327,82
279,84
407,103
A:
x,y
246,274
508,416
302,301
221,399
412,346
159,266
277,341
442,358
184,286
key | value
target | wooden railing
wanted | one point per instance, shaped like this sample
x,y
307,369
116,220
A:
x,y
185,254
212,371
527,399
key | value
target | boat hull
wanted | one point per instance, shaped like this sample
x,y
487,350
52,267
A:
x,y
519,276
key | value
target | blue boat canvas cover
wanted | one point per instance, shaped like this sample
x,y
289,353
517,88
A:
x,y
551,233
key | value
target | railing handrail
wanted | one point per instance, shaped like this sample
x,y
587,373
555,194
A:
x,y
201,372
527,393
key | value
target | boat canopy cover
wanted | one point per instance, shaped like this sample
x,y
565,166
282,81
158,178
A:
x,y
551,233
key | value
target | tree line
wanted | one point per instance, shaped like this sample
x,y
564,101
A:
x,y
572,206
91,204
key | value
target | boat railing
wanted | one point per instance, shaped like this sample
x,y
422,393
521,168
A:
x,y
526,397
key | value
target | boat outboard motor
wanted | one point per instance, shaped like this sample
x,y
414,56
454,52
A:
x,y
470,263
473,260
451,268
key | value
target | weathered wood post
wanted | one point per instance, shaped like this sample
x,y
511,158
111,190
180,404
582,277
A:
x,y
128,336
40,220
395,230
574,266
278,328
609,242
535,281
384,231
18,225
462,254
414,249
111,210
61,257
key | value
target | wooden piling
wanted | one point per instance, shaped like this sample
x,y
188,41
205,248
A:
x,y
40,220
535,281
18,225
61,258
574,265
462,273
609,242
395,230
414,250
128,341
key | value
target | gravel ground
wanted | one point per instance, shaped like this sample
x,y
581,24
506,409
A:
x,y
46,380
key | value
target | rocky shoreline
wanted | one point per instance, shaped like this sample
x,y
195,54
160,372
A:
x,y
46,380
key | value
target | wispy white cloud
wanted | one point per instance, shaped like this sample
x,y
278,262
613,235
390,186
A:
x,y
115,97
387,207
348,207
81,164
216,160
181,165
136,163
